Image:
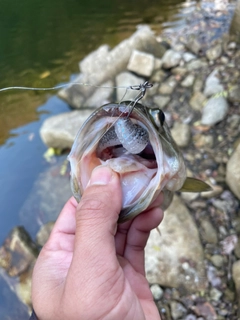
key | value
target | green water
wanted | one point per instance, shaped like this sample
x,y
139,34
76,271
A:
x,y
51,36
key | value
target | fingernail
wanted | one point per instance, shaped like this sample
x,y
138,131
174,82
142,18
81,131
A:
x,y
101,175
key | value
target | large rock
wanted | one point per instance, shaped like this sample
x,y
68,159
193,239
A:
x,y
103,65
214,111
235,25
233,172
59,131
174,258
141,63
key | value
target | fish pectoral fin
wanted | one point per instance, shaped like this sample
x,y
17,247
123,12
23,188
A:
x,y
195,185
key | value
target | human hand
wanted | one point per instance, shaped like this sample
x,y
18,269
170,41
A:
x,y
91,268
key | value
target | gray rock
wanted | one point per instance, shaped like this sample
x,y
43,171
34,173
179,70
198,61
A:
x,y
196,64
188,81
157,291
201,140
236,278
198,84
197,101
100,96
215,52
157,64
178,246
125,79
161,101
194,45
141,63
103,65
188,56
171,59
214,111
168,86
208,232
44,233
158,76
233,172
212,84
59,131
181,133
179,71
178,311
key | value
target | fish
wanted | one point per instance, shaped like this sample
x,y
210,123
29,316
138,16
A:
x,y
136,143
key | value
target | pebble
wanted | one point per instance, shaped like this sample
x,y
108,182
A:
x,y
188,56
157,291
214,52
217,260
215,294
178,311
168,86
197,101
212,84
196,64
214,111
171,59
208,232
188,81
233,172
181,133
201,140
236,277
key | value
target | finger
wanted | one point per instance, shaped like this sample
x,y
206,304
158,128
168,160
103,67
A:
x,y
62,235
122,230
96,218
138,235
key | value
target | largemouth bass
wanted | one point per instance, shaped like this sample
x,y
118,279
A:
x,y
137,144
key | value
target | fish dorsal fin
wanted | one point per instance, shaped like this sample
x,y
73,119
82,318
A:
x,y
195,185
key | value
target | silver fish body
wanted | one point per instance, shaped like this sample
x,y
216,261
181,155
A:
x,y
158,165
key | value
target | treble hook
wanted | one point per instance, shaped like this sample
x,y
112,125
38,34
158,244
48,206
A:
x,y
142,88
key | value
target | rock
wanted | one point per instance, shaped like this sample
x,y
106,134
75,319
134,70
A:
x,y
235,24
161,101
59,131
234,121
47,197
188,81
181,133
236,277
158,76
100,96
208,232
196,64
171,59
212,84
206,310
157,291
168,86
157,64
198,84
103,65
237,249
188,56
141,63
201,140
215,52
125,79
177,310
18,252
197,101
175,259
23,287
233,172
44,233
179,71
214,111
234,94
217,260
194,45
215,294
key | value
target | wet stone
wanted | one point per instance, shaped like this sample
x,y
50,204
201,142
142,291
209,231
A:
x,y
141,63
181,133
171,59
214,111
161,101
194,45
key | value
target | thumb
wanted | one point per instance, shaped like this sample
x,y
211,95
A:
x,y
97,213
